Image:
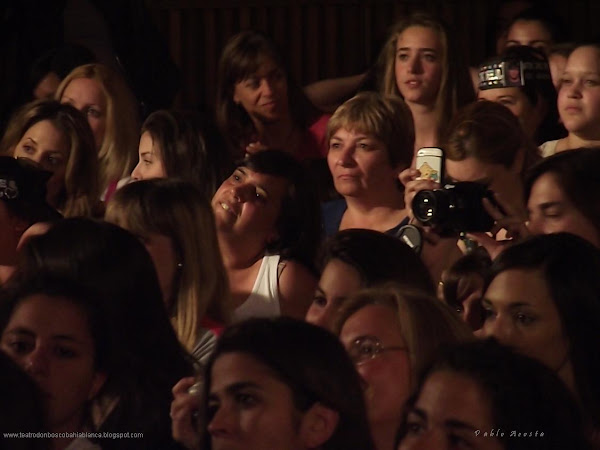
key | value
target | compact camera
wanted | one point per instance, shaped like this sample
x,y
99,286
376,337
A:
x,y
455,208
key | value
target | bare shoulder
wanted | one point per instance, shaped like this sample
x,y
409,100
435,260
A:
x,y
296,288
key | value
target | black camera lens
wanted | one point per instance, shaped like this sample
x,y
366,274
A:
x,y
455,208
430,206
424,205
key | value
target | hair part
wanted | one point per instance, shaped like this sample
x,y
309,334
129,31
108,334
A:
x,y
456,87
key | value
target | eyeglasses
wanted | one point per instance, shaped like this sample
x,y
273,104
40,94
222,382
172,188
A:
x,y
366,348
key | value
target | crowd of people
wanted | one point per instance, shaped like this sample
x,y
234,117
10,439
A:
x,y
282,276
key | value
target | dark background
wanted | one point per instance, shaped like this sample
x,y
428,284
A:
x,y
325,38
169,49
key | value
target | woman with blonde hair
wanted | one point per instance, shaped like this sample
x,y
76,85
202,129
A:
x,y
103,96
371,140
391,333
58,139
424,67
177,226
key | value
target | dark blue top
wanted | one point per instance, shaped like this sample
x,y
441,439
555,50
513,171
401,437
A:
x,y
333,212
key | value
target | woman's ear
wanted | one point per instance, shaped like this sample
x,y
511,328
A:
x,y
318,425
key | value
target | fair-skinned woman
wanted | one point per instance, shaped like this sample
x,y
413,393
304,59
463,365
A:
x,y
542,300
357,258
370,143
579,101
176,224
57,139
557,192
173,144
103,96
528,92
485,144
483,396
67,356
417,60
274,384
268,223
389,333
258,104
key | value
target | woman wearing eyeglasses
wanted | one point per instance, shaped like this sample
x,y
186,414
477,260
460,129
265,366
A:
x,y
390,334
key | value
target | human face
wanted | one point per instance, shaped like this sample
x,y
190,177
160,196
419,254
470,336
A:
x,y
249,408
387,377
496,176
264,94
163,254
531,33
514,98
150,163
520,313
449,411
248,204
87,96
418,67
49,337
551,211
360,165
47,146
337,282
579,93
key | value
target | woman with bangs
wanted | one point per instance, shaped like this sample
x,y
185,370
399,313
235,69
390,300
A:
x,y
177,227
422,65
57,138
259,106
371,140
103,96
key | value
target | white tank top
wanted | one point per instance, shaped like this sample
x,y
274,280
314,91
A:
x,y
264,298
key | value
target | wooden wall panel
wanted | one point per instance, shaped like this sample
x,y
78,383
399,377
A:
x,y
320,38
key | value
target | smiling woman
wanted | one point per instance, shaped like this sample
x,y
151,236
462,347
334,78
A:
x,y
268,224
259,105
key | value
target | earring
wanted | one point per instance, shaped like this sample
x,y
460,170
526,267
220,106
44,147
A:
x,y
179,265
